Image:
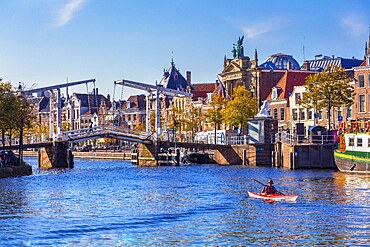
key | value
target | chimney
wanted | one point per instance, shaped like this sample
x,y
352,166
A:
x,y
306,65
188,78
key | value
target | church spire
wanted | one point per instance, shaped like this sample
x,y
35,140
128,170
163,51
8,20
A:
x,y
256,56
172,63
368,45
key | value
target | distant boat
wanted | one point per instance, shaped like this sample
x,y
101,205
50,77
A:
x,y
353,155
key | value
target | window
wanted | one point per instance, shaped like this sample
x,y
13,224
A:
x,y
302,114
349,111
361,103
368,142
351,142
282,113
320,114
359,142
275,113
310,115
339,111
368,80
274,93
361,81
134,117
295,114
297,98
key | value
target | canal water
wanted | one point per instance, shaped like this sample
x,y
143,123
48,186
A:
x,y
111,203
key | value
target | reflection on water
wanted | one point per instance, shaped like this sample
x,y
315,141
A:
x,y
115,204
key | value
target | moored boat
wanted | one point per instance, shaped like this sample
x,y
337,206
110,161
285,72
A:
x,y
353,155
274,197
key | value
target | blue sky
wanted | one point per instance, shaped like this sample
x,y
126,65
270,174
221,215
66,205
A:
x,y
44,42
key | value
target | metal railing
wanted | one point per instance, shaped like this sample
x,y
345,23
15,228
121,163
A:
x,y
237,140
303,139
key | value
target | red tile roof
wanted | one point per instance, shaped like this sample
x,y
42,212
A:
x,y
200,90
290,79
269,79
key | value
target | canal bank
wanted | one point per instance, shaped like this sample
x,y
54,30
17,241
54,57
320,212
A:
x,y
124,155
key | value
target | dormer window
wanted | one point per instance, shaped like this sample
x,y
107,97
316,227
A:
x,y
274,93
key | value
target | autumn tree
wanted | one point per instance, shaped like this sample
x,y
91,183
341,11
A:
x,y
328,89
241,108
214,114
193,119
15,111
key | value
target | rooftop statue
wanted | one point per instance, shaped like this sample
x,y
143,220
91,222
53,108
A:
x,y
264,112
238,49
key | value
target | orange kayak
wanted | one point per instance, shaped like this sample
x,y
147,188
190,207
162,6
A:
x,y
274,197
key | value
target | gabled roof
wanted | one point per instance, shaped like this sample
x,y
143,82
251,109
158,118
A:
x,y
89,99
173,79
135,101
290,79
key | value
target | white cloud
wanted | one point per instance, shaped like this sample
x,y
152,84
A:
x,y
253,31
68,10
354,25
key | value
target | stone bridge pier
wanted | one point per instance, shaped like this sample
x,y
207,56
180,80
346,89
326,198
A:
x,y
56,156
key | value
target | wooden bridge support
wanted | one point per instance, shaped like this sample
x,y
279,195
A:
x,y
56,156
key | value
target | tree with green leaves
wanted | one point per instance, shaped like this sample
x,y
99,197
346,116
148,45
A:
x,y
241,108
214,114
15,111
328,89
193,119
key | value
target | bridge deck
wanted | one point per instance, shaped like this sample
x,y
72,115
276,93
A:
x,y
26,146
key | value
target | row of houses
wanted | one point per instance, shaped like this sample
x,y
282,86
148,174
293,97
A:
x,y
279,79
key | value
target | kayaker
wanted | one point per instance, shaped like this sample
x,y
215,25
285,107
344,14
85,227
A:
x,y
269,188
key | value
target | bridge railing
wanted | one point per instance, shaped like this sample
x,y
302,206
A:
x,y
103,129
229,140
303,139
237,140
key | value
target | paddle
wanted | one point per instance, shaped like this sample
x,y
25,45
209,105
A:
x,y
281,193
258,181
